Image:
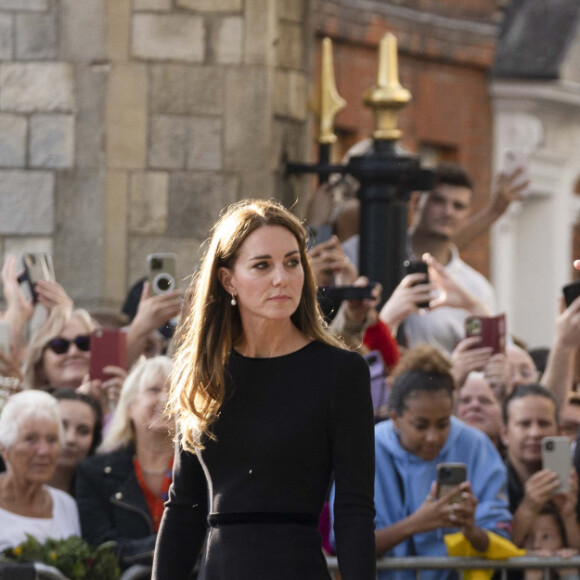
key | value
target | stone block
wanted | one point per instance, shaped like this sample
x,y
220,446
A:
x,y
6,37
291,10
195,200
290,94
37,87
118,29
52,141
36,36
82,30
12,141
151,5
24,5
187,90
115,238
27,245
148,194
187,250
289,47
211,5
92,82
261,32
204,144
26,202
248,118
127,116
168,37
227,38
168,142
78,239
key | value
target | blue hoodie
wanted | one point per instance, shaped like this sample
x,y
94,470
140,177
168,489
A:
x,y
485,471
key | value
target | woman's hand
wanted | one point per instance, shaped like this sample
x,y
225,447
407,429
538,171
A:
x,y
498,374
51,294
112,387
361,311
465,358
16,302
404,300
331,265
442,512
539,488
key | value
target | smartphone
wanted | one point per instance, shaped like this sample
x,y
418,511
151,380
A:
x,y
338,293
162,272
513,161
450,475
37,266
108,347
490,329
557,456
5,337
571,291
417,267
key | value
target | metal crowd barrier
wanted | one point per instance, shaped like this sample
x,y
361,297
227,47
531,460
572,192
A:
x,y
419,563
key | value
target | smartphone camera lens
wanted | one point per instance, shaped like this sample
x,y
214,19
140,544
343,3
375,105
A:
x,y
163,283
549,446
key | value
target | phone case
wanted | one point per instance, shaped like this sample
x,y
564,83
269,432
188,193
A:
x,y
38,267
108,347
490,329
571,291
417,267
162,273
450,475
557,456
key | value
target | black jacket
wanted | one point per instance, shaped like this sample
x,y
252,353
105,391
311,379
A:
x,y
113,507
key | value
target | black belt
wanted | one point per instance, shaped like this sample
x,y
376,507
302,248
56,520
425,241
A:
x,y
217,520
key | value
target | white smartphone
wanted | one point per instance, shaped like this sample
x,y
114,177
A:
x,y
513,161
557,456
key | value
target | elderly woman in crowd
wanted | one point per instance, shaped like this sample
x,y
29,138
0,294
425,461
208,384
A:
x,y
121,492
82,424
30,443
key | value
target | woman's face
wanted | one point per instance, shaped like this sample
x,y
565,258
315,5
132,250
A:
x,y
267,277
147,411
67,369
478,407
425,422
545,534
78,421
33,456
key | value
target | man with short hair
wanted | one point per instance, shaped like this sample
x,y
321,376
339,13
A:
x,y
438,215
530,413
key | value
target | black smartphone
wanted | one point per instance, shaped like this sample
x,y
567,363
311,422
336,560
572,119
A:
x,y
450,475
417,267
337,293
571,292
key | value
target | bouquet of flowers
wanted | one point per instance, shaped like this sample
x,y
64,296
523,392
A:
x,y
76,559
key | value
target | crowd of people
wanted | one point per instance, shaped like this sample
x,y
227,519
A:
x,y
248,437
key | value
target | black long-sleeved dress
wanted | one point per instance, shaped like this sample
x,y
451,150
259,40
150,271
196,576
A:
x,y
286,425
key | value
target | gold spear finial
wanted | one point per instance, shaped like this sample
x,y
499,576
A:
x,y
326,102
387,96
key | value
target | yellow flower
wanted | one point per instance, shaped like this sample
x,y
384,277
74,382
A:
x,y
53,556
18,550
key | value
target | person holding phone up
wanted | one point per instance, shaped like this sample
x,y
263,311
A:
x,y
412,513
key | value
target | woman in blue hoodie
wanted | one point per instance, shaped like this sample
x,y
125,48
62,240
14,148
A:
x,y
411,516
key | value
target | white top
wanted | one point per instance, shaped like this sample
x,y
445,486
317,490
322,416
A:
x,y
443,327
63,523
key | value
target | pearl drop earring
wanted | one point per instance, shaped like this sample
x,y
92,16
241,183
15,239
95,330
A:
x,y
233,301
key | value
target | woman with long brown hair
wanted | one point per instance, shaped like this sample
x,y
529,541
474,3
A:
x,y
268,405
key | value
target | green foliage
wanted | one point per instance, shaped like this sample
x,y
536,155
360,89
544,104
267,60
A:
x,y
76,559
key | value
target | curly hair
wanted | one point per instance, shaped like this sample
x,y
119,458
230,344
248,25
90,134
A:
x,y
424,368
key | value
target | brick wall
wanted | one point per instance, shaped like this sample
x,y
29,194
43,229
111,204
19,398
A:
x,y
445,52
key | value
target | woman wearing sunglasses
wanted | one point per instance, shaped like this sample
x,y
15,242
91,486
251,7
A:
x,y
59,356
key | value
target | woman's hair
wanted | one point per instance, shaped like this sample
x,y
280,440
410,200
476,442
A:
x,y
210,325
72,395
26,405
531,390
424,368
34,377
122,431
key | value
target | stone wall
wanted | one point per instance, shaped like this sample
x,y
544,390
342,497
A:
x,y
126,126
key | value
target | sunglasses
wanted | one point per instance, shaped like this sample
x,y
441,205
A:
x,y
61,345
